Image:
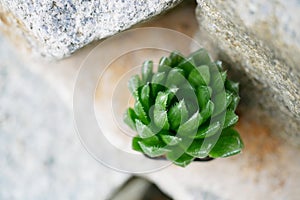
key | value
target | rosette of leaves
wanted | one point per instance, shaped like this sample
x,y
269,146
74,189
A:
x,y
185,110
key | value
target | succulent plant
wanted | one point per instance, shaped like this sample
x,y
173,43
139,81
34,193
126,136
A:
x,y
184,111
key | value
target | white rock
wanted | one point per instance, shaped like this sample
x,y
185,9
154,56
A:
x,y
41,156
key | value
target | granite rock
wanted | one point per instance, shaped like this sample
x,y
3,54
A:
x,y
55,29
260,43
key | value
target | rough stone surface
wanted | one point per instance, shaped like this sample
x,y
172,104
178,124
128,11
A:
x,y
41,156
58,28
261,43
268,168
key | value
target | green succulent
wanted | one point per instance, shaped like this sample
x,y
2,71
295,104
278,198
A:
x,y
184,111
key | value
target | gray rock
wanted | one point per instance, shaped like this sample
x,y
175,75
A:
x,y
56,29
261,43
41,156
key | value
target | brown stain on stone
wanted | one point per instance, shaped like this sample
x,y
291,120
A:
x,y
260,143
13,29
263,155
3,19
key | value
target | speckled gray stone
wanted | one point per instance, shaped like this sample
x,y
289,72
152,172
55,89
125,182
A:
x,y
260,40
57,28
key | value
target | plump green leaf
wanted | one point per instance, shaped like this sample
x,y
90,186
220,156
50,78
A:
x,y
175,77
133,84
195,78
189,127
199,148
178,156
203,95
176,58
201,120
160,114
139,110
199,76
171,139
229,97
161,118
130,117
177,115
186,91
159,78
232,86
145,96
230,119
175,152
152,146
151,141
219,101
207,111
223,76
192,105
158,81
135,145
234,103
143,130
183,160
218,81
162,99
208,130
172,95
153,150
147,71
205,74
164,64
189,95
228,144
187,65
200,57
